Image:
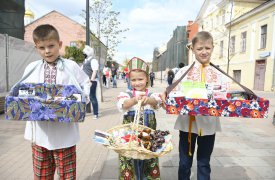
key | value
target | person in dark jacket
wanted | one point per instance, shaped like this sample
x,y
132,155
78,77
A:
x,y
170,76
152,77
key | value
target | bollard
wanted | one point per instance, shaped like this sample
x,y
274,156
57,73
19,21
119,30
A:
x,y
273,119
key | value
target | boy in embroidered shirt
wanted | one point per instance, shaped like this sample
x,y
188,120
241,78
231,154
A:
x,y
53,143
199,128
127,103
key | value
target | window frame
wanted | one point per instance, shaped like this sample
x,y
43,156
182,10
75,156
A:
x,y
263,36
243,41
232,44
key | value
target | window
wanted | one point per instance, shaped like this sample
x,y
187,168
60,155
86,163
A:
x,y
232,45
73,44
217,20
206,24
243,41
237,75
221,48
263,36
223,18
212,23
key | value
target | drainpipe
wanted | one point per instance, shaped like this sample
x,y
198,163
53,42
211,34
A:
x,y
273,49
7,62
273,74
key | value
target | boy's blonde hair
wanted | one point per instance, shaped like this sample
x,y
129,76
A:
x,y
203,36
45,32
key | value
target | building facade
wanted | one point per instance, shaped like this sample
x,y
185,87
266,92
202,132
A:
x,y
172,53
70,32
192,29
244,39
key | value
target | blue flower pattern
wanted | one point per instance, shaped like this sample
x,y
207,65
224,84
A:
x,y
40,109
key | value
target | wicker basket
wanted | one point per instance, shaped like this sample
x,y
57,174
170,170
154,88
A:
x,y
132,149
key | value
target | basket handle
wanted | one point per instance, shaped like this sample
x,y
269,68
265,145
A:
x,y
137,113
136,121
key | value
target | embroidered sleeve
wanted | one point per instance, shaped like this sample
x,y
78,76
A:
x,y
120,100
226,82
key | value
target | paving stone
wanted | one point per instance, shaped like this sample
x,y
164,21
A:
x,y
243,150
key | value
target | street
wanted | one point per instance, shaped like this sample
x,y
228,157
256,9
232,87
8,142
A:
x,y
245,149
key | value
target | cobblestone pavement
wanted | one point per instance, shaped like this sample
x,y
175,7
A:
x,y
245,149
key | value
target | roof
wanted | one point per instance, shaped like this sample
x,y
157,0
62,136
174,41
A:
x,y
250,13
207,3
54,11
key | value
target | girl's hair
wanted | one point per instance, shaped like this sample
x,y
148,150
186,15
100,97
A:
x,y
203,36
45,32
138,70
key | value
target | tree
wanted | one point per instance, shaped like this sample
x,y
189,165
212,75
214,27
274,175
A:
x,y
125,61
75,53
107,24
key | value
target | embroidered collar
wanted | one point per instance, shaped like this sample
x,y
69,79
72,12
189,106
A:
x,y
58,63
134,92
53,63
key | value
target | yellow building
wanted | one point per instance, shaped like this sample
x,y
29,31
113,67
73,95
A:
x,y
253,59
250,24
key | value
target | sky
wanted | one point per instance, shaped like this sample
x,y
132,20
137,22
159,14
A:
x,y
151,22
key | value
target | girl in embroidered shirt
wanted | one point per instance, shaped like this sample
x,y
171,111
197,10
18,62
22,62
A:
x,y
127,101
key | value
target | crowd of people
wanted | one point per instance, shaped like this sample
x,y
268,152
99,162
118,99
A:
x,y
50,152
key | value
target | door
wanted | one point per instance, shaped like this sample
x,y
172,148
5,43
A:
x,y
259,78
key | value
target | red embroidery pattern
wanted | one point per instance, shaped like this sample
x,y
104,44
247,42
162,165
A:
x,y
50,74
210,74
121,97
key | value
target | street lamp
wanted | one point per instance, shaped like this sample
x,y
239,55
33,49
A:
x,y
159,59
177,45
87,23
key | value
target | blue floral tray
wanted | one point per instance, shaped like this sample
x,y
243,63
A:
x,y
45,102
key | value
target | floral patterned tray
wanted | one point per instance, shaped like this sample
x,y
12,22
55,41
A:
x,y
254,108
45,102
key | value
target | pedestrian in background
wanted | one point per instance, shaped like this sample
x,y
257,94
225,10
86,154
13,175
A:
x,y
152,77
53,143
127,103
90,67
181,65
126,71
106,72
104,77
170,76
114,75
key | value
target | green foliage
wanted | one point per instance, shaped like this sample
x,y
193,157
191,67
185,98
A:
x,y
125,62
74,53
106,24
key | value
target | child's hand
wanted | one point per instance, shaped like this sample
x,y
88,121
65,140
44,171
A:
x,y
144,99
163,96
87,98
